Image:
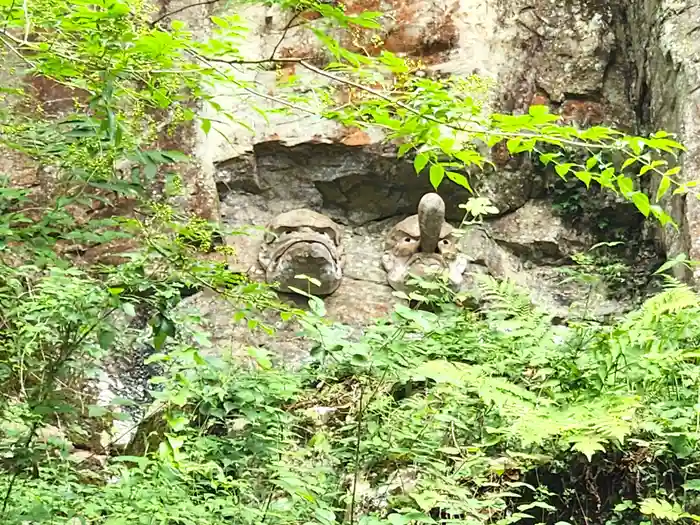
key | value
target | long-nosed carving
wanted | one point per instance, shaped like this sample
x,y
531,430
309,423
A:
x,y
422,245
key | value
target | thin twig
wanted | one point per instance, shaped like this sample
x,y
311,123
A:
x,y
466,129
208,62
180,10
27,20
9,16
358,440
15,50
360,417
284,34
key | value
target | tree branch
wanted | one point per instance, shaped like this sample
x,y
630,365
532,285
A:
x,y
466,129
284,34
208,61
14,50
180,10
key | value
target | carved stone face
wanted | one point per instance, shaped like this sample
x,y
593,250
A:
x,y
423,245
303,242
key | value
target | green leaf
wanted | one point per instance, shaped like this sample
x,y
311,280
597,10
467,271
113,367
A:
x,y
106,338
175,442
629,162
403,149
678,259
150,170
641,201
221,22
159,339
420,162
547,158
469,157
563,169
206,125
692,484
129,309
588,445
325,516
122,402
645,168
664,185
673,171
408,518
317,306
458,178
261,356
538,110
625,184
437,174
584,177
442,371
661,509
97,411
514,145
536,505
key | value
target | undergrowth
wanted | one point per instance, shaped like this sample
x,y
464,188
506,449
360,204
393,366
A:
x,y
450,416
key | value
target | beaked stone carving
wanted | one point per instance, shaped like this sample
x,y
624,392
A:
x,y
303,242
423,245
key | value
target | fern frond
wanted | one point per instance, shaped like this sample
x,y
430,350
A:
x,y
675,297
503,298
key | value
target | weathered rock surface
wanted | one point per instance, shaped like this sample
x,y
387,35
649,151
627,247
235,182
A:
x,y
660,39
559,54
536,233
231,339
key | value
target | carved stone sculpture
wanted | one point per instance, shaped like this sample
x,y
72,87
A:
x,y
423,245
303,242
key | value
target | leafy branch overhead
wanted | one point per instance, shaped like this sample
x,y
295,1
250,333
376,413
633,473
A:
x,y
117,51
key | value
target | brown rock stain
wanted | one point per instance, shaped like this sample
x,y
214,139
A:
x,y
354,7
407,34
583,113
53,97
500,154
355,137
539,99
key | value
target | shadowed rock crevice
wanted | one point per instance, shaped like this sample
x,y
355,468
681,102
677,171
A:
x,y
358,184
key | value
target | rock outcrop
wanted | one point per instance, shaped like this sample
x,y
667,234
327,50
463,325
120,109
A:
x,y
629,64
564,55
659,39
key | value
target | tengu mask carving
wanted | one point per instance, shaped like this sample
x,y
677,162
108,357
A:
x,y
303,242
423,245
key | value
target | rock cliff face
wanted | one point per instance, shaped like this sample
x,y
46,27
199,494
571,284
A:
x,y
572,55
631,64
659,39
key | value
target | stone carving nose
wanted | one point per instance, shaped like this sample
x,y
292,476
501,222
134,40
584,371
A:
x,y
431,215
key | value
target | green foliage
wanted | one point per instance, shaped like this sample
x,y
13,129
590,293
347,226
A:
x,y
444,417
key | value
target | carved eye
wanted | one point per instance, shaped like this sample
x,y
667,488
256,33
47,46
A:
x,y
445,241
288,232
407,239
